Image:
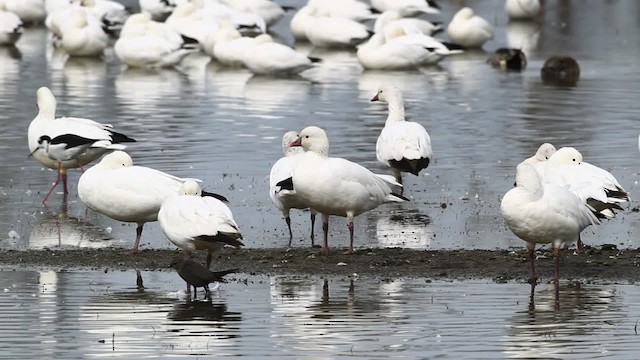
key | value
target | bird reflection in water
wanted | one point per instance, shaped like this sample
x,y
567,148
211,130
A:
x,y
57,229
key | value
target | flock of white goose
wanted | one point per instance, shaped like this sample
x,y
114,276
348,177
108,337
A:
x,y
556,196
235,32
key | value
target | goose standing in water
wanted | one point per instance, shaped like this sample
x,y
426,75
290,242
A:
x,y
404,146
336,186
543,213
283,195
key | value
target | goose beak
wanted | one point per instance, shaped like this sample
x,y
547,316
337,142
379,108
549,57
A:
x,y
375,98
295,142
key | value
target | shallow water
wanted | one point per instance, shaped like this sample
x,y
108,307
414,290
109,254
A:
x,y
92,314
225,126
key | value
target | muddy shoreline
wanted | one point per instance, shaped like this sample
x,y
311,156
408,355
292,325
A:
x,y
596,264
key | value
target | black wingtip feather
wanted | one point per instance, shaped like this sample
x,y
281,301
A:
x,y
286,184
288,8
117,138
452,46
433,4
214,195
400,196
314,59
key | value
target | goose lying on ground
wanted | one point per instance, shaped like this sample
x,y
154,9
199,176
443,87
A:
x,y
468,29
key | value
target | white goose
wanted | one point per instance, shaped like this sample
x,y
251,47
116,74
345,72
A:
x,y
404,146
29,11
230,46
539,159
246,23
379,54
283,195
11,27
195,222
268,10
67,142
82,34
543,213
124,192
266,57
159,9
522,9
147,43
468,29
397,17
412,35
593,185
350,9
328,31
336,186
410,7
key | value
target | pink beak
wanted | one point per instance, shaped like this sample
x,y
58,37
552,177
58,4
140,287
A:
x,y
295,142
375,98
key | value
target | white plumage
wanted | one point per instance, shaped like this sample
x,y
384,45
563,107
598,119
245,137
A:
x,y
468,29
543,213
82,34
593,185
286,199
539,159
410,7
396,17
404,146
29,11
264,56
328,31
193,222
268,10
522,9
230,47
76,141
11,27
147,43
335,186
124,192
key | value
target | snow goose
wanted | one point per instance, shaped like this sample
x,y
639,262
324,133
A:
x,y
82,34
593,185
283,195
410,7
539,159
266,57
508,59
378,54
230,46
124,192
404,146
10,27
336,186
350,9
246,23
397,17
29,11
522,9
468,29
438,50
158,9
543,213
327,31
147,43
109,11
268,10
72,142
560,70
195,222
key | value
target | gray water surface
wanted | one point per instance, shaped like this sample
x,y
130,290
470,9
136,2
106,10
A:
x,y
73,315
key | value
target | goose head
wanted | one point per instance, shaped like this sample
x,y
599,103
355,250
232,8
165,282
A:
x,y
545,151
46,102
314,139
190,187
565,156
288,138
388,94
115,160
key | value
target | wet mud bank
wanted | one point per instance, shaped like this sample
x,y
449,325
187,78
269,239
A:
x,y
601,264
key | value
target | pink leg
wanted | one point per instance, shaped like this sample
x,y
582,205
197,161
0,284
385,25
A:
x,y
350,250
325,229
556,255
288,220
313,222
135,249
56,183
533,276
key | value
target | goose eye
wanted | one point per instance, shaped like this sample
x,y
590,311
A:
x,y
307,136
546,158
574,160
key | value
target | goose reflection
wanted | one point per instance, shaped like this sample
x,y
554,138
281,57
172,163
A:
x,y
523,35
265,94
338,65
85,80
58,230
144,91
541,331
10,58
410,82
140,321
406,229
224,82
